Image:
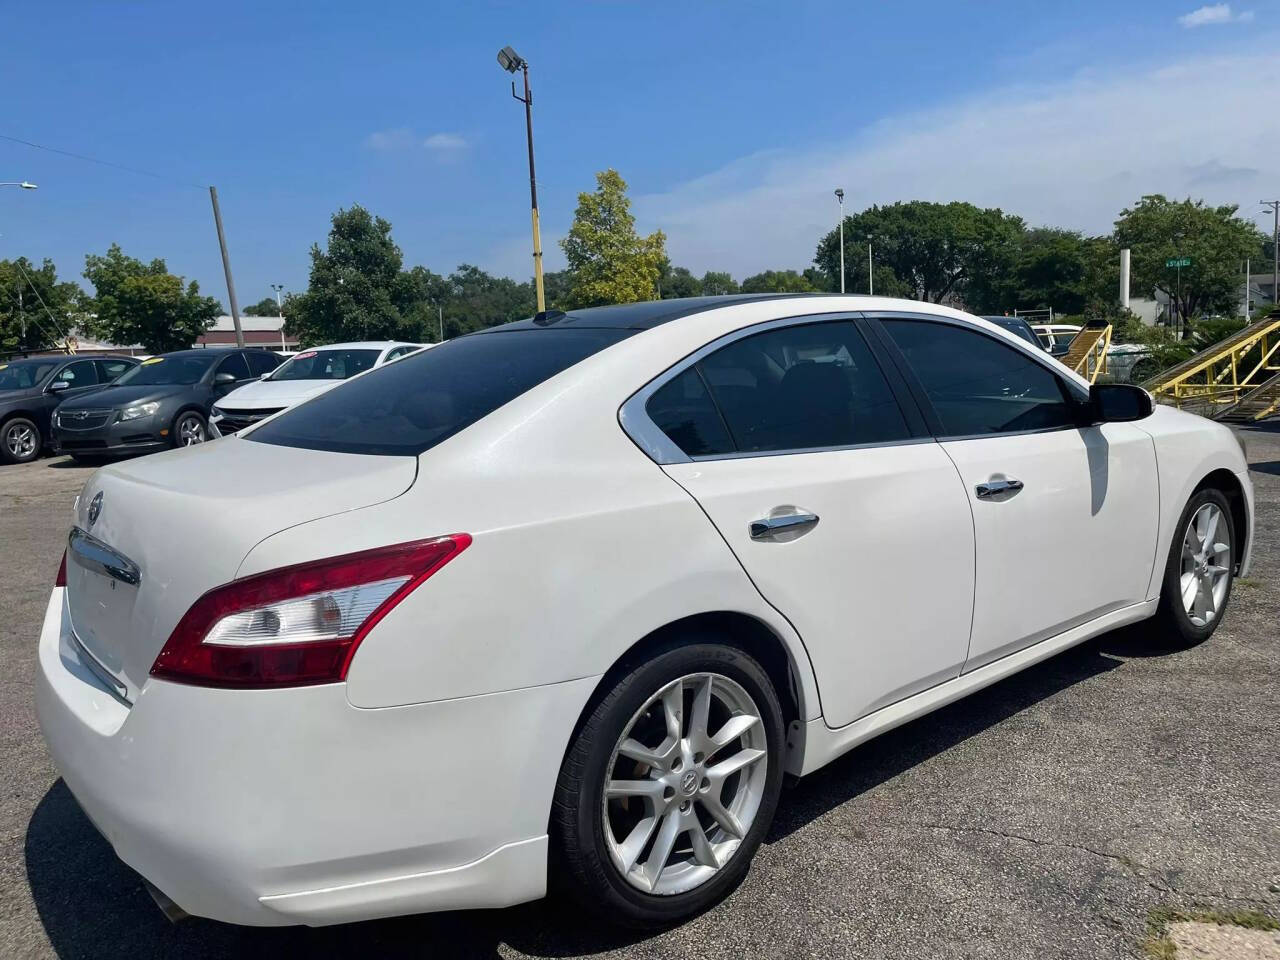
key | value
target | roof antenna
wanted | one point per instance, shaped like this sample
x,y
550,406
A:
x,y
548,317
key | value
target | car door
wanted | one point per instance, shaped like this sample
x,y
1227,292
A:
x,y
73,380
848,518
235,365
1065,516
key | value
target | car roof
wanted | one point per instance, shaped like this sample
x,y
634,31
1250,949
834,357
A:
x,y
636,316
360,345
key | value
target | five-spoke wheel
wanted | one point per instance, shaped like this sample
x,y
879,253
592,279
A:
x,y
1197,575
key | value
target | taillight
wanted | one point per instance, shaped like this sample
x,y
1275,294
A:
x,y
61,579
297,625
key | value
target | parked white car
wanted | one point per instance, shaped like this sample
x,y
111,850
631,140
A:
x,y
574,593
302,376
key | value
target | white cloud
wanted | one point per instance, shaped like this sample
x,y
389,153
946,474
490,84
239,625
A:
x,y
445,143
1214,13
1072,154
397,139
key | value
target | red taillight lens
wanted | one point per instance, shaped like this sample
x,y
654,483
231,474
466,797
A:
x,y
61,579
297,625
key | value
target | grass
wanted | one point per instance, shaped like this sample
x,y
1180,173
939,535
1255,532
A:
x,y
1158,946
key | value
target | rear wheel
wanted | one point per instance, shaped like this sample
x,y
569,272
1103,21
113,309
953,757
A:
x,y
189,429
1198,572
20,441
670,785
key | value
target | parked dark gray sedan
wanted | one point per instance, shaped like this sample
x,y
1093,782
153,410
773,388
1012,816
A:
x,y
163,402
31,389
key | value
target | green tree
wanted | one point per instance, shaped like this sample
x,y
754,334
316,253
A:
x,y
266,307
29,295
777,281
679,282
1055,268
937,251
357,290
144,303
477,299
1157,230
718,284
608,261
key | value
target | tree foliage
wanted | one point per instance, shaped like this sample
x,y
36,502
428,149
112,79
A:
x,y
608,261
1157,230
144,303
715,283
777,281
266,307
28,295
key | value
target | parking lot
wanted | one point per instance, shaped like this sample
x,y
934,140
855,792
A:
x,y
1047,816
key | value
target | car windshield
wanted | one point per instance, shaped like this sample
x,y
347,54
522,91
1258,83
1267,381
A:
x,y
406,407
326,365
167,371
1018,328
24,376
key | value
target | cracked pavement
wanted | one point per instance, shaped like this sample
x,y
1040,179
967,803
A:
x,y
1044,817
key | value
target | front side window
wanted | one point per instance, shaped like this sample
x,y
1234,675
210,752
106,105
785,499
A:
x,y
407,407
327,365
978,385
78,374
109,369
794,388
261,362
234,365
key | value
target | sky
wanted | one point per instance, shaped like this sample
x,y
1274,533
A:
x,y
732,122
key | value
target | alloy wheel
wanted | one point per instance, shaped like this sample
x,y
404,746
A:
x,y
21,441
685,783
1206,564
190,431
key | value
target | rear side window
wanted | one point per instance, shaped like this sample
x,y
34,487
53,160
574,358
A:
x,y
978,385
404,408
261,362
235,366
108,370
800,387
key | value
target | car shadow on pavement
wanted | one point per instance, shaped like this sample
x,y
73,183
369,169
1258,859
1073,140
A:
x,y
91,904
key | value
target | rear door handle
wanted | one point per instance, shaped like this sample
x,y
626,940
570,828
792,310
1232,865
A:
x,y
998,489
768,527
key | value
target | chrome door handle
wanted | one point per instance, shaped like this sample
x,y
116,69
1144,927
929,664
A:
x,y
998,489
769,526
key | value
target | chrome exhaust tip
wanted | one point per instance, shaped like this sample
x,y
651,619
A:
x,y
172,912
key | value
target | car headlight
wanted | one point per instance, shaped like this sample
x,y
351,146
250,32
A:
x,y
139,410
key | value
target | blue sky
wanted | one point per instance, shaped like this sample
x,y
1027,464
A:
x,y
731,122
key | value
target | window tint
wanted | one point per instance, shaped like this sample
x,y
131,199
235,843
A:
x,y
108,369
684,411
82,373
261,362
24,375
404,408
978,385
235,366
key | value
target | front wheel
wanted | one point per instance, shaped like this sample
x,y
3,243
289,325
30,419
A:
x,y
1198,572
670,785
189,429
20,441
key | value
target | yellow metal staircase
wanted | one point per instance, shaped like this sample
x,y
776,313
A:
x,y
1087,353
1217,379
1259,403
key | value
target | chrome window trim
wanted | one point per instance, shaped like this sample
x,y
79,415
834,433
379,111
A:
x,y
636,423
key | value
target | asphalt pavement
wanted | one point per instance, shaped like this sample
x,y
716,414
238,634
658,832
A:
x,y
1047,816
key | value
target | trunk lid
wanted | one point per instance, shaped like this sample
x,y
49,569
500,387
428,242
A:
x,y
181,523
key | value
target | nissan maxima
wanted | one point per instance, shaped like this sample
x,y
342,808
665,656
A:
x,y
572,595
163,402
305,374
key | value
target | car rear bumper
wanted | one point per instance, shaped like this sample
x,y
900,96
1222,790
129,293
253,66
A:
x,y
292,806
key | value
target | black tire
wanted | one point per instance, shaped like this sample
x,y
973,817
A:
x,y
581,861
15,443
193,418
1172,625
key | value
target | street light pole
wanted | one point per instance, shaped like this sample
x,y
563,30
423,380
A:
x,y
511,61
871,280
840,201
1275,250
226,267
22,184
278,288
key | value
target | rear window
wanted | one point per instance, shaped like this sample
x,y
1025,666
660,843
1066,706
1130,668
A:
x,y
406,407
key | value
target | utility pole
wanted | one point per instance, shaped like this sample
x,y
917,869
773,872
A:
x,y
278,288
1275,250
440,314
1248,264
840,201
511,61
871,280
226,267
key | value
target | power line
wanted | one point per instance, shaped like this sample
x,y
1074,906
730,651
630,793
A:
x,y
52,319
104,163
34,318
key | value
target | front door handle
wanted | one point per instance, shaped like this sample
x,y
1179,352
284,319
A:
x,y
768,527
1001,489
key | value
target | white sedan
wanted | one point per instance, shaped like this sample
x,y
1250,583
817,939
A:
x,y
574,593
304,375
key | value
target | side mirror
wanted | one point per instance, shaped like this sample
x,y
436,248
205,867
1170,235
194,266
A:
x,y
59,385
222,379
1118,403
